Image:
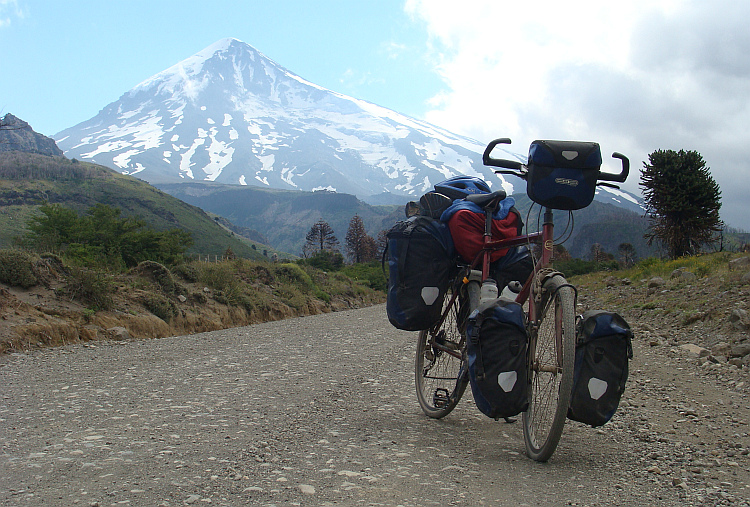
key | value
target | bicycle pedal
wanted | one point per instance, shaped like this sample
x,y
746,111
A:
x,y
441,398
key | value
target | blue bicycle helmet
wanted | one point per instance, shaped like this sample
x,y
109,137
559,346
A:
x,y
458,187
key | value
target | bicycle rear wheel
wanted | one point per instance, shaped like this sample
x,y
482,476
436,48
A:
x,y
439,369
551,362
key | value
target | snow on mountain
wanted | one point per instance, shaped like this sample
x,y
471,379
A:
x,y
620,198
231,115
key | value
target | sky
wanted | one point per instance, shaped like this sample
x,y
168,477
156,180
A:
x,y
635,76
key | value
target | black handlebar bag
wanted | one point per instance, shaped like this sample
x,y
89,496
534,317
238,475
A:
x,y
563,174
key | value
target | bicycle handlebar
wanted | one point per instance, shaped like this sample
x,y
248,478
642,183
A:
x,y
499,162
518,167
620,178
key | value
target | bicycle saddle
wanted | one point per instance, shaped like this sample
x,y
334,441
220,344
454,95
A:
x,y
487,201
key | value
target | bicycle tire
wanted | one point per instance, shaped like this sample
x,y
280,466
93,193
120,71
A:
x,y
551,363
440,365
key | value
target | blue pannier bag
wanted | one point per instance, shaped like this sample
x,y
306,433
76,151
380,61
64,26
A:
x,y
603,349
563,174
496,349
420,266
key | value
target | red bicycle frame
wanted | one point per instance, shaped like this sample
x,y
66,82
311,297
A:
x,y
545,238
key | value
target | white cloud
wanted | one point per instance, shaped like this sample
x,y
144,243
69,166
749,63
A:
x,y
9,9
392,49
352,79
635,76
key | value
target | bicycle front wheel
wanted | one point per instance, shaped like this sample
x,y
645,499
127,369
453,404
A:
x,y
439,368
551,362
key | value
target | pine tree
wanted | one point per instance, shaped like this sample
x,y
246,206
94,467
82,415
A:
x,y
682,201
359,246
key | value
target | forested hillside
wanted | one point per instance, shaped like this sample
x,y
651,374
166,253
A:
x,y
285,216
28,180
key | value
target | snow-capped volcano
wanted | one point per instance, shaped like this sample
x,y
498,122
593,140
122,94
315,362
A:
x,y
229,114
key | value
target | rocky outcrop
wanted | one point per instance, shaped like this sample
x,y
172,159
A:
x,y
17,135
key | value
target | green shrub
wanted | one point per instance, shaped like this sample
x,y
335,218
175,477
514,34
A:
x,y
232,295
91,287
160,306
187,272
159,274
16,268
325,260
295,274
702,271
322,295
217,275
574,267
291,296
369,273
649,266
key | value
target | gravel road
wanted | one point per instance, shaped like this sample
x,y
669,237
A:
x,y
321,411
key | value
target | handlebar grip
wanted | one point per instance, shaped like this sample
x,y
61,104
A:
x,y
623,174
499,162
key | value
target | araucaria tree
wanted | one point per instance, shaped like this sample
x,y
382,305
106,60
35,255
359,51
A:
x,y
359,246
682,201
320,237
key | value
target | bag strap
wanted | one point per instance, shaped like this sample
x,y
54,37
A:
x,y
478,320
384,257
402,253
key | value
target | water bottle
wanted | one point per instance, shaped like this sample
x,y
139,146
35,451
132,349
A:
x,y
488,291
511,291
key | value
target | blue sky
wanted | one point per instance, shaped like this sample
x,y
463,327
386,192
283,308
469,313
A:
x,y
635,76
70,59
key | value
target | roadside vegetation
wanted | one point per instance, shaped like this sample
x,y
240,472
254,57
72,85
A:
x,y
101,270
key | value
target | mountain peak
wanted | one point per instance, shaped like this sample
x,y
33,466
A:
x,y
185,72
230,114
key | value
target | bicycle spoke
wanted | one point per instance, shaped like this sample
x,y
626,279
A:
x,y
551,371
439,375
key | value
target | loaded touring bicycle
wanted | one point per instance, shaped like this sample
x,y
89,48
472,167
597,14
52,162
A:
x,y
497,317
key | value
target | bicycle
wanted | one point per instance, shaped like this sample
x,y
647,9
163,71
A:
x,y
441,372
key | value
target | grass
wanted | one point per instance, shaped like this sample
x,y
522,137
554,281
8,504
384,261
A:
x,y
159,289
701,265
686,301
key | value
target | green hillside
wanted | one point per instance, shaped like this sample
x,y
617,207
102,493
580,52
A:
x,y
28,180
284,216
